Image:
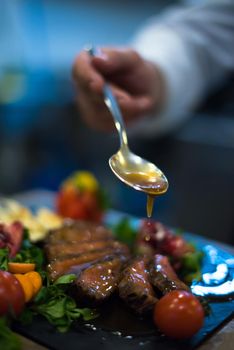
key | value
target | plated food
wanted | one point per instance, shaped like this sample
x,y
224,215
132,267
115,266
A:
x,y
80,265
84,265
103,265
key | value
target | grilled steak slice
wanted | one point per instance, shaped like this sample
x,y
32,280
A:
x,y
163,277
91,253
79,231
135,288
64,249
99,281
63,266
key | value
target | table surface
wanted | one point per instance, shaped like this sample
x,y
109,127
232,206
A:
x,y
223,339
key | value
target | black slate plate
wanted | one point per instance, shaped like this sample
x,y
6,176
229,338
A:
x,y
118,329
88,338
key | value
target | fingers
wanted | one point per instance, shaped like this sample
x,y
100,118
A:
x,y
97,115
123,70
88,71
85,75
132,107
112,61
89,83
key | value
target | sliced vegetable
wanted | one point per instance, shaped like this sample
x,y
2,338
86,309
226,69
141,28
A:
x,y
15,267
26,285
179,314
36,281
11,295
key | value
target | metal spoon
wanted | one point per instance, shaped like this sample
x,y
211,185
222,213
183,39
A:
x,y
127,166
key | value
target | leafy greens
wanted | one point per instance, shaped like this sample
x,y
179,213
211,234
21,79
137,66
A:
x,y
53,303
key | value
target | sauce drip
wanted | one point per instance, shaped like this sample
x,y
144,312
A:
x,y
152,183
150,205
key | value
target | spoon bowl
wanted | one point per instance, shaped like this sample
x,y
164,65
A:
x,y
138,173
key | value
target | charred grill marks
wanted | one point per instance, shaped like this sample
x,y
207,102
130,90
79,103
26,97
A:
x,y
100,280
89,251
101,265
163,277
65,249
78,231
135,288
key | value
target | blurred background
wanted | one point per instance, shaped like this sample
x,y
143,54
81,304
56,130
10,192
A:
x,y
43,139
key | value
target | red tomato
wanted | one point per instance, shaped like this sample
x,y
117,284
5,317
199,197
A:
x,y
11,294
89,200
179,314
78,205
75,210
64,198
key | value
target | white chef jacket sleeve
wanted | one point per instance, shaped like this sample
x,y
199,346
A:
x,y
194,49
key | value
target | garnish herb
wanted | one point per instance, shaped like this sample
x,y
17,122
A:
x,y
53,303
190,262
191,266
124,231
4,258
65,279
30,253
8,339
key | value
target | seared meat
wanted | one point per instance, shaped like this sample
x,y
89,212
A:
x,y
66,249
79,231
99,263
163,277
135,288
63,266
91,253
100,280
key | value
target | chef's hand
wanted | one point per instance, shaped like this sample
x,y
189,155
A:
x,y
137,84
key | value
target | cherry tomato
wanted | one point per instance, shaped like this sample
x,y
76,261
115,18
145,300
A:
x,y
11,294
179,314
74,204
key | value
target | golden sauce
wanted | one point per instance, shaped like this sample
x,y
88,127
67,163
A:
x,y
149,205
151,183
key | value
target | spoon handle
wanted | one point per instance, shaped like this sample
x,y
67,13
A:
x,y
112,105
